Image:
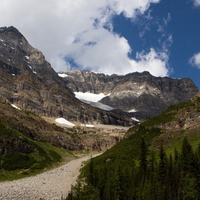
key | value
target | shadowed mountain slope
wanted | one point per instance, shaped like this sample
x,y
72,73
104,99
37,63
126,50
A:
x,y
28,81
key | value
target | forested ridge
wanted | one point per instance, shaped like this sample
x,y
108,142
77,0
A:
x,y
149,164
154,177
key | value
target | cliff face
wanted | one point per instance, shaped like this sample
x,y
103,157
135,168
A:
x,y
140,93
37,129
28,81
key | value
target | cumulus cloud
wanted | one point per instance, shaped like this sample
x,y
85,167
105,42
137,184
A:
x,y
154,62
195,60
79,33
196,3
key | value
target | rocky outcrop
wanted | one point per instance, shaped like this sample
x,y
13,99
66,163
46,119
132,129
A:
x,y
29,81
140,93
33,127
186,117
86,81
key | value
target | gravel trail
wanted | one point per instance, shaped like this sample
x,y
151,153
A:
x,y
50,185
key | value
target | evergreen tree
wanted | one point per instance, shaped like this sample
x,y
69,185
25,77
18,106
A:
x,y
162,166
152,177
162,174
143,159
91,173
197,172
187,156
120,185
176,177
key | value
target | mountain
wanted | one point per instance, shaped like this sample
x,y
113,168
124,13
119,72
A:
x,y
31,91
33,98
158,159
29,82
28,143
141,94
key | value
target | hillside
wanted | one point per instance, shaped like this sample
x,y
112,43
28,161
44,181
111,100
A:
x,y
158,159
28,143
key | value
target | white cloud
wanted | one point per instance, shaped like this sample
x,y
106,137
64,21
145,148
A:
x,y
196,3
131,8
195,60
154,62
82,31
167,19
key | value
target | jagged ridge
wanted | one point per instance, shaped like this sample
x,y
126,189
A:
x,y
30,82
142,93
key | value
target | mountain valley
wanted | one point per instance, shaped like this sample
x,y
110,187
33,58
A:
x,y
157,159
46,117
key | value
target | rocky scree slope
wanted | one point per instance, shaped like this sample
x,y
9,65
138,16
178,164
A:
x,y
140,94
28,81
37,129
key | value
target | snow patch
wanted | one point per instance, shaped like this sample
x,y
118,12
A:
x,y
1,40
63,75
89,125
93,99
90,96
133,110
27,57
16,107
64,121
98,105
141,87
32,69
134,119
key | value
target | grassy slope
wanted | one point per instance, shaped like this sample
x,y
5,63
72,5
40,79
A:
x,y
22,152
17,163
128,150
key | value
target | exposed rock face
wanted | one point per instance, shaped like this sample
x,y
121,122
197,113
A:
x,y
38,129
187,118
29,81
141,93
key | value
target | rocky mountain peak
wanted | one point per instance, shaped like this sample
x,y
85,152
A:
x,y
28,81
11,31
140,94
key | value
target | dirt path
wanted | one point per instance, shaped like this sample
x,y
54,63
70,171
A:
x,y
50,185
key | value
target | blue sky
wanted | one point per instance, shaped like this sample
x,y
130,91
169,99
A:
x,y
112,36
174,24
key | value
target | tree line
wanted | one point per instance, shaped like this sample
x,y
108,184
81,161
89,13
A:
x,y
152,176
